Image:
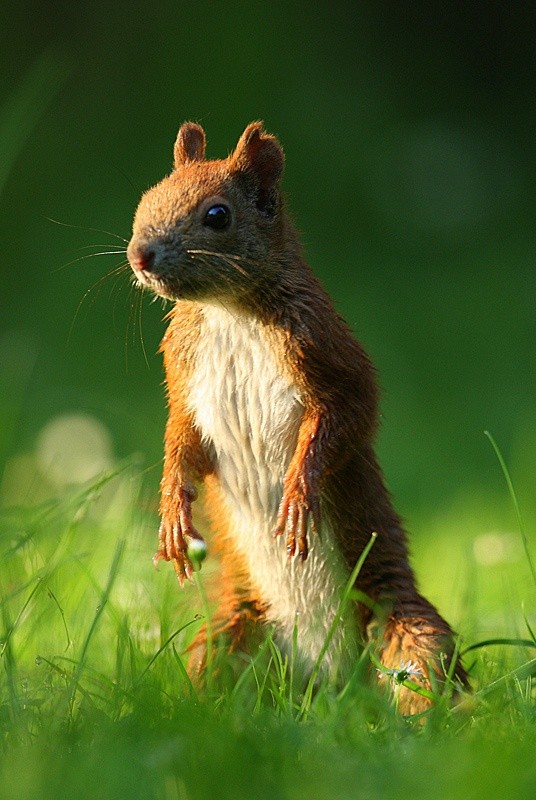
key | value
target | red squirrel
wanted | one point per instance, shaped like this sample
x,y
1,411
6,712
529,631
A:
x,y
273,405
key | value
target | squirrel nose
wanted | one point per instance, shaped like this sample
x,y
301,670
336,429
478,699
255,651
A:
x,y
141,256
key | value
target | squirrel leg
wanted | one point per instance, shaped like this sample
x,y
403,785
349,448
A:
x,y
300,503
233,630
237,622
185,461
409,633
417,645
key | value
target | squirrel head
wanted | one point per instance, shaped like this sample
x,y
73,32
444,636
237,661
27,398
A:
x,y
212,229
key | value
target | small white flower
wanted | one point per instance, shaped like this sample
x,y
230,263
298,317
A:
x,y
404,672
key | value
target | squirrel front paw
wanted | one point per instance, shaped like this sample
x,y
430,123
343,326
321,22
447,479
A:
x,y
300,503
177,533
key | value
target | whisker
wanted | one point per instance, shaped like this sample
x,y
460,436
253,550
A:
x,y
222,255
97,285
142,340
229,259
207,263
122,268
165,301
137,311
88,255
85,228
221,300
119,247
133,297
118,274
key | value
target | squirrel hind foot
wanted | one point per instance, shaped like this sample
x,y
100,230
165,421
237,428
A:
x,y
420,652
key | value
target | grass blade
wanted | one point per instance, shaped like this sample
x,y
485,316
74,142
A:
x,y
526,670
114,569
163,647
345,598
24,108
488,642
511,490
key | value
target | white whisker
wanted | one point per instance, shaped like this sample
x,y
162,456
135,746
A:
x,y
229,259
85,228
119,247
90,255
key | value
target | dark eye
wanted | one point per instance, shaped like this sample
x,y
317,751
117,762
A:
x,y
217,217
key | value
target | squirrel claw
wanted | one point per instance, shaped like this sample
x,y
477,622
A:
x,y
175,537
183,569
181,564
294,518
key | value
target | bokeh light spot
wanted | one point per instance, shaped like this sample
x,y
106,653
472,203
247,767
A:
x,y
74,448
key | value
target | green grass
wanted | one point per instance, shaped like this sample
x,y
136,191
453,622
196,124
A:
x,y
95,701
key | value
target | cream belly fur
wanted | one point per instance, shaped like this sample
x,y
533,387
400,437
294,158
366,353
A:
x,y
249,414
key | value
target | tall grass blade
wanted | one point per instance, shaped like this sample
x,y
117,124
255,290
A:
x,y
184,673
114,569
345,598
523,672
511,490
209,653
12,628
62,614
25,106
488,642
163,647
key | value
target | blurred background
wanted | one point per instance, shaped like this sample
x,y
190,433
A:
x,y
409,135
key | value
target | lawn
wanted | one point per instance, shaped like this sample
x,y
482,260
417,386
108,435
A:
x,y
95,701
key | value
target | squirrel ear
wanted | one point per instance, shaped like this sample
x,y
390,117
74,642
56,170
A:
x,y
190,144
260,155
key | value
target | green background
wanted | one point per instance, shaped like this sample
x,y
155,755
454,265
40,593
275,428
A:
x,y
409,135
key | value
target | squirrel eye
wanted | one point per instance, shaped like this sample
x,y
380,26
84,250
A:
x,y
217,217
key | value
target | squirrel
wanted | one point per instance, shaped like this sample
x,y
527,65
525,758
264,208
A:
x,y
273,406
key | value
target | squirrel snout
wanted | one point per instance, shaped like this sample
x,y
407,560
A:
x,y
141,256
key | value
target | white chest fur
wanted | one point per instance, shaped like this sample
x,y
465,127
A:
x,y
249,414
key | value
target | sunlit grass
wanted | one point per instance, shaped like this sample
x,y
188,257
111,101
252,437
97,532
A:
x,y
96,702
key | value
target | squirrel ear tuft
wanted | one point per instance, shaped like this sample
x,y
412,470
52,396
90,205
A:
x,y
190,144
260,155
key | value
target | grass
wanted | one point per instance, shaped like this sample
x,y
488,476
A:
x,y
25,105
95,700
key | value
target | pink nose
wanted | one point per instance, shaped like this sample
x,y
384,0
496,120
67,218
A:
x,y
141,256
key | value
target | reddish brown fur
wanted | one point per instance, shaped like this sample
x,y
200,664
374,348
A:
x,y
239,607
333,469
